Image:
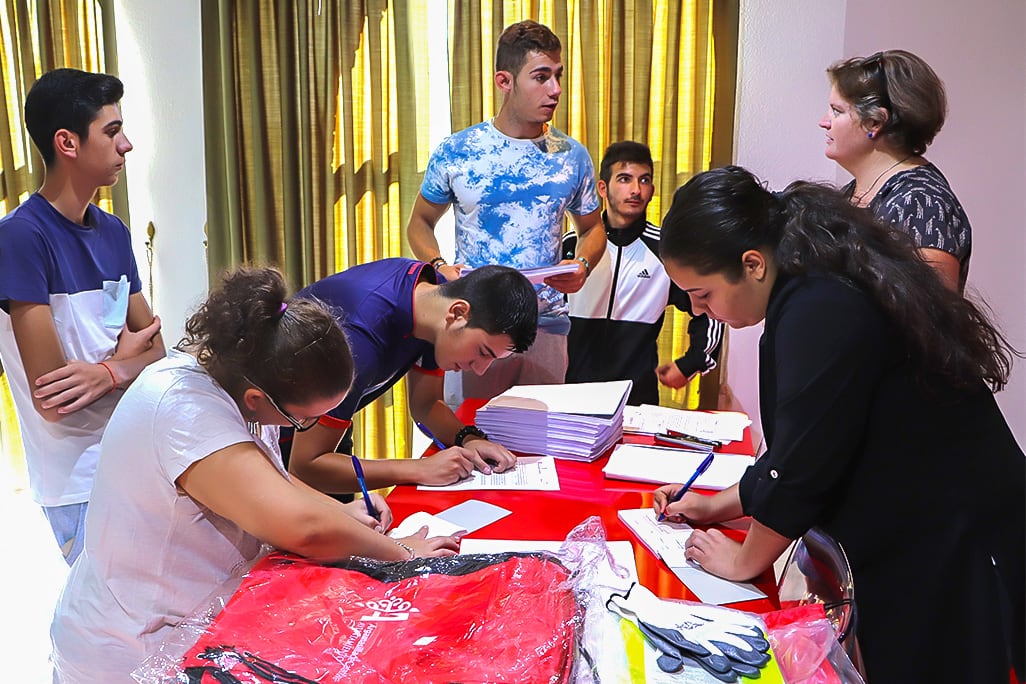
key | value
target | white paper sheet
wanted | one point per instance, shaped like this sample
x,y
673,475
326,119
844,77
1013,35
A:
x,y
539,274
531,473
472,514
584,398
722,426
465,517
662,465
413,522
666,540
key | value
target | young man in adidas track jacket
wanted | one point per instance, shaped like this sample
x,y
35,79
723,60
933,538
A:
x,y
616,317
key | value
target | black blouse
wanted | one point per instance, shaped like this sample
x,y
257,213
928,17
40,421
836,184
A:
x,y
921,487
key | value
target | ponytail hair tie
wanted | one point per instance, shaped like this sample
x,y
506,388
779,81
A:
x,y
281,311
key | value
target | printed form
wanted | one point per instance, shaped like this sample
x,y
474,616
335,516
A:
x,y
532,473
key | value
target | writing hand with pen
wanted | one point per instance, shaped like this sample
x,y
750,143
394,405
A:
x,y
455,463
373,512
673,502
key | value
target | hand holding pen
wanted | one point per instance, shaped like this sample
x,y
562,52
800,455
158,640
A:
x,y
702,467
371,510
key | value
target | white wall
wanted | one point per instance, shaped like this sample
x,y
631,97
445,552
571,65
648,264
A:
x,y
786,46
979,50
159,61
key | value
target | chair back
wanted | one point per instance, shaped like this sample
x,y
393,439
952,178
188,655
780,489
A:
x,y
817,571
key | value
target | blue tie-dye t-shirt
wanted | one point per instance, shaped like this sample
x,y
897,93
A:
x,y
510,195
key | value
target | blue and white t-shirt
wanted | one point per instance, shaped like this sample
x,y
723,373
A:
x,y
85,274
510,195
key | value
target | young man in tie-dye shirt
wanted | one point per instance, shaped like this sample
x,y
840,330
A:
x,y
510,182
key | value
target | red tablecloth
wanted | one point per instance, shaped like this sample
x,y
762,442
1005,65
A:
x,y
584,491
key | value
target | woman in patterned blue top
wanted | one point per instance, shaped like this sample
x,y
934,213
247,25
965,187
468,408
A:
x,y
884,111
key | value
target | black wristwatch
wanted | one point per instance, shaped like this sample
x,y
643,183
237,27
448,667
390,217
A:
x,y
468,430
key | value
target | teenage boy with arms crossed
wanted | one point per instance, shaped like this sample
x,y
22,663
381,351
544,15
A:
x,y
616,317
402,319
510,182
74,325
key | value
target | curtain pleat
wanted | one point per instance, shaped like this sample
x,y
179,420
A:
x,y
313,137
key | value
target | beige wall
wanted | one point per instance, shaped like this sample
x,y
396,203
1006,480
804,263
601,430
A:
x,y
160,64
979,49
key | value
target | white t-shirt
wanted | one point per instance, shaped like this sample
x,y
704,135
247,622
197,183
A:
x,y
153,555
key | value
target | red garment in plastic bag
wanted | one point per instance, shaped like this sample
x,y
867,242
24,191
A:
x,y
507,617
806,648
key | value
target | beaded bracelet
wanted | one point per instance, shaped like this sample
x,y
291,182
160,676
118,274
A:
x,y
438,262
409,549
468,430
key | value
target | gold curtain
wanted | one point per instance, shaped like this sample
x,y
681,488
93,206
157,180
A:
x,y
660,72
312,140
379,137
35,38
269,86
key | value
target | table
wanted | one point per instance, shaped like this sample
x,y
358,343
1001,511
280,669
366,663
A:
x,y
584,491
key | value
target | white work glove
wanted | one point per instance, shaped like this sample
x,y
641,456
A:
x,y
726,643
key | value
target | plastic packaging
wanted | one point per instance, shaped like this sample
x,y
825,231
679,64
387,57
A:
x,y
506,617
806,647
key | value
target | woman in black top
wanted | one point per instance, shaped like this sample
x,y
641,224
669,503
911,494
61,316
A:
x,y
876,393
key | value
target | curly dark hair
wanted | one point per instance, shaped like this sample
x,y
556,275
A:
x,y
292,348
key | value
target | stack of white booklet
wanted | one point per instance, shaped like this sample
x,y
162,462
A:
x,y
577,421
721,426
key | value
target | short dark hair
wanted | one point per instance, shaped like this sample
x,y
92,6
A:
x,y
624,151
249,328
502,302
900,83
520,39
67,98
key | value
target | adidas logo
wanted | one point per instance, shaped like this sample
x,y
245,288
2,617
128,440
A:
x,y
644,273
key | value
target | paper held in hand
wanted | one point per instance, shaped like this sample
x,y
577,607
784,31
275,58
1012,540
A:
x,y
538,275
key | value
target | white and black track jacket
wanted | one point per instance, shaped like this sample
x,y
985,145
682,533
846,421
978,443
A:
x,y
616,317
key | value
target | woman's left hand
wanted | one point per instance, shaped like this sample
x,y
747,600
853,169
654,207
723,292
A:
x,y
358,509
715,552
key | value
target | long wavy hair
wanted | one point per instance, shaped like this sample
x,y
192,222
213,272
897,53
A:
x,y
810,228
292,348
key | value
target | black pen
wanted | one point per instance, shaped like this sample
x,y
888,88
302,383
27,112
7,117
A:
x,y
371,511
702,467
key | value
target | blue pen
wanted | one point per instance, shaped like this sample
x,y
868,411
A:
x,y
371,511
437,442
702,467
